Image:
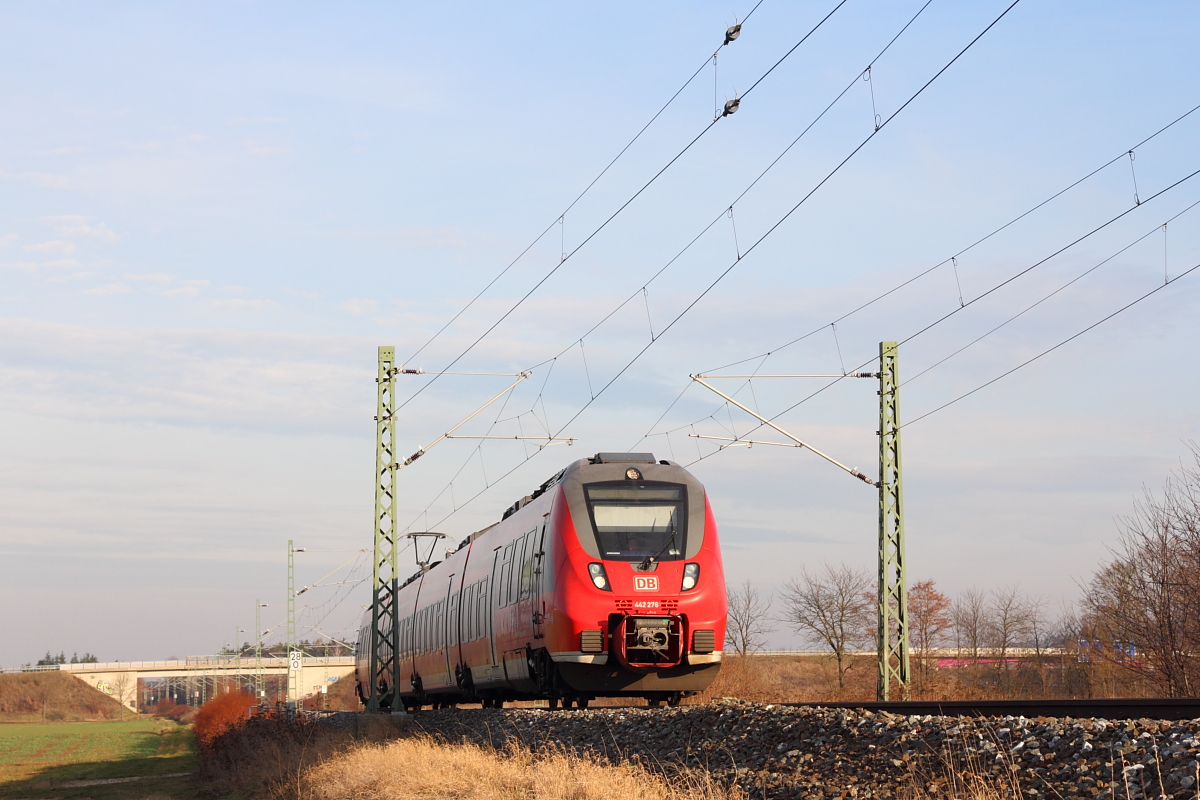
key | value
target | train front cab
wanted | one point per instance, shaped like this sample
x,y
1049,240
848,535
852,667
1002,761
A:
x,y
640,590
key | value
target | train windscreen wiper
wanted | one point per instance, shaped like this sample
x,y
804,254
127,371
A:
x,y
648,560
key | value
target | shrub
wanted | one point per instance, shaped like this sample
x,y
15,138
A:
x,y
221,714
181,713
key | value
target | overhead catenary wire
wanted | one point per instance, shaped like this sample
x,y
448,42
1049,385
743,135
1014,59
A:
x,y
953,259
797,206
994,288
1043,299
614,214
962,305
1049,350
561,218
727,210
761,357
764,236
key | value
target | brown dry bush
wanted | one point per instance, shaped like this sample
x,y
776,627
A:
x,y
219,715
250,759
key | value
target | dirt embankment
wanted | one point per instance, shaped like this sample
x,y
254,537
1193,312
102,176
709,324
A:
x,y
54,696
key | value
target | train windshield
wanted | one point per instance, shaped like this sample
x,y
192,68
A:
x,y
635,521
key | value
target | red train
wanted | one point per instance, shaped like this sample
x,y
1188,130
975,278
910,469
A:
x,y
605,582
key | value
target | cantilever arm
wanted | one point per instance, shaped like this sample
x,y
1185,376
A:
x,y
795,439
521,376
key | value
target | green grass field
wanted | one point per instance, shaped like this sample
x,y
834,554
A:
x,y
39,760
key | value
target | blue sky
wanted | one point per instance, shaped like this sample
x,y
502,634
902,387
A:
x,y
212,214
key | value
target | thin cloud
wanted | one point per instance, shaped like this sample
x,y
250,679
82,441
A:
x,y
241,302
74,227
359,308
53,246
108,289
37,178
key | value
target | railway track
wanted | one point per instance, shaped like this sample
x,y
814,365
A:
x,y
1123,708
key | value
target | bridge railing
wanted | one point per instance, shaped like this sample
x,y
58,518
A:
x,y
224,663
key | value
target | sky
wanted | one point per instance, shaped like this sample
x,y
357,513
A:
x,y
213,214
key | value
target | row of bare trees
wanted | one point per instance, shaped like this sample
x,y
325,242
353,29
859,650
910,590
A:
x,y
835,607
1140,612
1142,609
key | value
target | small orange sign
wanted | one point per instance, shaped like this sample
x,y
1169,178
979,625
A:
x,y
645,583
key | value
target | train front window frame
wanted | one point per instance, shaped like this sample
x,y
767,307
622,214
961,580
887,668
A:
x,y
620,510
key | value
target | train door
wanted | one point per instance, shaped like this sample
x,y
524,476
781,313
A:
x,y
523,580
541,580
519,575
450,631
493,606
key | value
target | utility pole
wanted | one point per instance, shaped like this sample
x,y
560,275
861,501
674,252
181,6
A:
x,y
293,676
258,670
385,627
892,636
237,665
892,641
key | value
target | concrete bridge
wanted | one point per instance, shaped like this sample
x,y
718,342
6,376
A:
x,y
119,679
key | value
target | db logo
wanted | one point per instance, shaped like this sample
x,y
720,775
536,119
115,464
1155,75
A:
x,y
645,583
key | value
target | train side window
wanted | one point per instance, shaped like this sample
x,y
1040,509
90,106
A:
x,y
480,603
514,570
502,588
544,566
465,612
442,638
467,609
480,608
526,565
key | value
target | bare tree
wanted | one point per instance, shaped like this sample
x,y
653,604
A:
x,y
124,686
969,612
1146,601
1040,634
1007,622
929,621
44,690
749,619
833,607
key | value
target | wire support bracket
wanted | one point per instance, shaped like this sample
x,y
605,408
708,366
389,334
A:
x,y
778,429
447,435
737,442
810,375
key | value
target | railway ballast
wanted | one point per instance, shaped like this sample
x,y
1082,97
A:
x,y
783,752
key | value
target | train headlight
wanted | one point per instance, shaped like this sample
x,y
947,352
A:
x,y
691,576
599,577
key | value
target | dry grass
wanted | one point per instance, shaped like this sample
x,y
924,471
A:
x,y
317,762
963,776
401,770
790,679
62,696
800,679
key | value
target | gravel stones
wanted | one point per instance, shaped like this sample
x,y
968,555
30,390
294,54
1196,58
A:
x,y
783,752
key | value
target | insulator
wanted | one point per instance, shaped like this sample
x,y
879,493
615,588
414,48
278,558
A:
x,y
732,33
731,106
414,457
